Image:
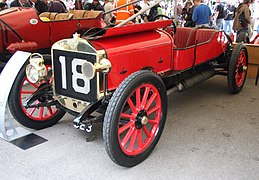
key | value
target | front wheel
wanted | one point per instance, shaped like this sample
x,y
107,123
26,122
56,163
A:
x,y
237,69
135,118
41,113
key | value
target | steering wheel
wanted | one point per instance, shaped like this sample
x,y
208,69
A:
x,y
94,32
164,16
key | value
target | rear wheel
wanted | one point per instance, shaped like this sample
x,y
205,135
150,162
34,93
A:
x,y
40,114
135,118
237,69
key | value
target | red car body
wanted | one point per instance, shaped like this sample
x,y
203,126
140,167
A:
x,y
135,47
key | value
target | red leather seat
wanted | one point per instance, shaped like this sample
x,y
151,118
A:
x,y
184,37
204,35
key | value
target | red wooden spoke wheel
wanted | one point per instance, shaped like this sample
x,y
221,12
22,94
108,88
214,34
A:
x,y
39,114
142,120
240,65
135,118
237,69
42,113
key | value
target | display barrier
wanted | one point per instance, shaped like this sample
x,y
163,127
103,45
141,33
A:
x,y
253,60
9,128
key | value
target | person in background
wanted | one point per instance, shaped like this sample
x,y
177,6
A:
x,y
146,14
125,12
86,5
78,5
201,14
187,14
105,2
95,6
63,4
22,3
3,5
179,10
26,3
57,6
46,2
242,20
40,6
16,3
228,22
109,18
219,15
252,19
137,8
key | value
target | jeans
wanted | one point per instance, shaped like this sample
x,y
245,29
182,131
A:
x,y
228,24
219,23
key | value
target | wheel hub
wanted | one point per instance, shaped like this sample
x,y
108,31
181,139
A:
x,y
241,69
144,120
141,119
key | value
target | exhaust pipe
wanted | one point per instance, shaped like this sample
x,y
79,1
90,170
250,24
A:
x,y
197,78
192,81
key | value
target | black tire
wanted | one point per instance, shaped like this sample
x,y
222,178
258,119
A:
x,y
113,120
237,69
14,102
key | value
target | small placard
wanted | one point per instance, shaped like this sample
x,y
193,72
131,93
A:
x,y
28,141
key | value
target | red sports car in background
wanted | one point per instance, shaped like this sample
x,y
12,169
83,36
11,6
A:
x,y
23,29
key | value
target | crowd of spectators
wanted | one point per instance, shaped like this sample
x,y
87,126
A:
x,y
228,15
40,5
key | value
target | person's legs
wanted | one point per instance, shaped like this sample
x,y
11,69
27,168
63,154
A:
x,y
225,25
242,36
219,23
231,27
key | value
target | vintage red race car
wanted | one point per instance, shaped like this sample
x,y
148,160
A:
x,y
23,29
122,76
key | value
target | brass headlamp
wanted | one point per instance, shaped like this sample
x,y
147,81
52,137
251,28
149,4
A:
x,y
36,70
